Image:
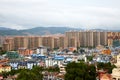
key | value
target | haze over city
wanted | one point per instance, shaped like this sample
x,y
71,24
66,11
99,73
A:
x,y
59,40
86,14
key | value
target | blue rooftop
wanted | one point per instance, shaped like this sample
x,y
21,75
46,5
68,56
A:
x,y
59,58
38,55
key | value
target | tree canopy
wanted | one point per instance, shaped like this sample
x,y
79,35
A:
x,y
106,66
80,71
33,74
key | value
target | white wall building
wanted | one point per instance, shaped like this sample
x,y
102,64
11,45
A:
x,y
116,71
41,50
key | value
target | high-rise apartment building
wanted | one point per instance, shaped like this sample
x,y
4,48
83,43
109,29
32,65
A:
x,y
103,38
87,38
96,38
72,42
81,38
48,41
8,44
17,42
34,42
2,39
70,35
20,42
56,42
63,43
70,39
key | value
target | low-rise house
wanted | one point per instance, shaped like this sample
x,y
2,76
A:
x,y
12,54
23,64
5,68
103,75
25,52
50,75
62,69
1,77
14,64
102,58
41,50
82,57
116,71
49,62
58,60
38,56
53,61
4,61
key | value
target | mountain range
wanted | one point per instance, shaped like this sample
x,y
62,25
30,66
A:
x,y
36,31
41,31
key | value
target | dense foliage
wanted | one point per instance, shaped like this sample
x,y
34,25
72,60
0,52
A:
x,y
74,71
2,52
52,69
80,71
106,66
33,74
89,58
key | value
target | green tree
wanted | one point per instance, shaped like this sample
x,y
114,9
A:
x,y
38,71
2,52
80,71
75,51
33,74
90,58
5,74
13,72
53,69
106,66
27,74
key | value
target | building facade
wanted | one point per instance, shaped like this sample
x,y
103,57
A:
x,y
87,38
20,42
70,39
8,44
48,41
63,43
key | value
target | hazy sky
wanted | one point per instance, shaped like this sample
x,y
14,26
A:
x,y
87,14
